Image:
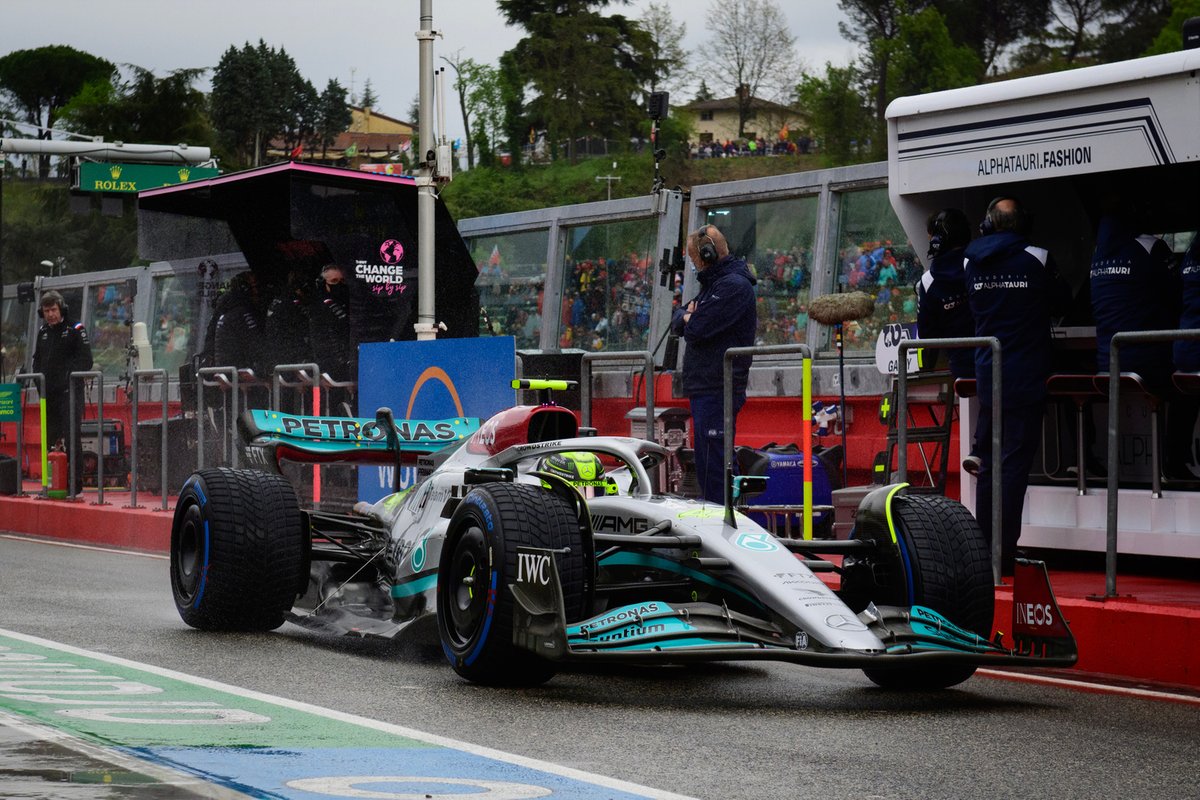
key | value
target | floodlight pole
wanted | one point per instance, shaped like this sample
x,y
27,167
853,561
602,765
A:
x,y
426,327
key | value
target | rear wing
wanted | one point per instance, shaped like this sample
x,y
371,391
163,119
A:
x,y
354,440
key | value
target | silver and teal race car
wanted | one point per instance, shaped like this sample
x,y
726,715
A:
x,y
535,547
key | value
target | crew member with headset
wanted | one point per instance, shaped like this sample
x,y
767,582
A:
x,y
721,316
62,348
1135,288
1013,288
942,308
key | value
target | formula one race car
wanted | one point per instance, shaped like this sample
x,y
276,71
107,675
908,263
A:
x,y
535,547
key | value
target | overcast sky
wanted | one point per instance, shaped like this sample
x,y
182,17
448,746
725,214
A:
x,y
350,41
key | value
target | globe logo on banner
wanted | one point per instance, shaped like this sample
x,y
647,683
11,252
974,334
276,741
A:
x,y
391,251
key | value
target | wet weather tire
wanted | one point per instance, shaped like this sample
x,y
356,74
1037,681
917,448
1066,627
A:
x,y
944,564
479,561
237,550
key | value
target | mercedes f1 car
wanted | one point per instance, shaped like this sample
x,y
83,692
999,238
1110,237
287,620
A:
x,y
535,547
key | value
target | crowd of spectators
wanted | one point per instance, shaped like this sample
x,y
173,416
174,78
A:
x,y
734,148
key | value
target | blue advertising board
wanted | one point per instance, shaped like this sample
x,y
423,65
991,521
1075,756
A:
x,y
438,379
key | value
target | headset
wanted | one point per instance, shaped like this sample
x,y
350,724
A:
x,y
708,249
58,298
947,229
1021,220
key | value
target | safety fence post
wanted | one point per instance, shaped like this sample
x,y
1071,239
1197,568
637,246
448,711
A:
x,y
805,353
39,379
74,378
161,374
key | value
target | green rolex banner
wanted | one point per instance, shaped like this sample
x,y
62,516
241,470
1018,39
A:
x,y
10,402
95,176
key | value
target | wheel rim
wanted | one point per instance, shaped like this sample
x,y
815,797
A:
x,y
466,593
188,555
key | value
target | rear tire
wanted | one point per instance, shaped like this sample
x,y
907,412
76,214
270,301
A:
x,y
237,550
479,561
944,564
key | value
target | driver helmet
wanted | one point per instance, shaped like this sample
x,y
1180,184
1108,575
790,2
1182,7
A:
x,y
581,469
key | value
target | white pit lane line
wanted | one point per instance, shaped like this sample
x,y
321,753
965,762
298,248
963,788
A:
x,y
386,727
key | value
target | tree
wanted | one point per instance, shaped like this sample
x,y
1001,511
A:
x,y
140,107
258,95
1170,37
924,59
703,93
838,113
991,27
478,95
369,100
871,22
585,69
333,115
753,51
671,71
39,82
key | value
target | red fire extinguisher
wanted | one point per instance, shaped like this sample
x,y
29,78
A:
x,y
58,473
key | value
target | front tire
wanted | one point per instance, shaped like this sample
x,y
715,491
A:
x,y
943,563
479,561
237,550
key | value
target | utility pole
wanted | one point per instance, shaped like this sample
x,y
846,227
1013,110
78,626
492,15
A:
x,y
609,180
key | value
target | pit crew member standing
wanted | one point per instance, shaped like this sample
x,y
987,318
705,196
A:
x,y
329,324
1013,288
942,308
62,348
1135,289
721,316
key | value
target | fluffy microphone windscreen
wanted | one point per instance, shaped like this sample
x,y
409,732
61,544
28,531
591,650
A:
x,y
830,309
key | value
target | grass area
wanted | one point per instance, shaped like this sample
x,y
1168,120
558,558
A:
x,y
499,190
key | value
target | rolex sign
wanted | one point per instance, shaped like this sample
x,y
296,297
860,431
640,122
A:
x,y
96,176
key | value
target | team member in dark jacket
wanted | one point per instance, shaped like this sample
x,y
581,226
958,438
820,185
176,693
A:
x,y
329,325
942,308
1135,289
62,348
943,311
1013,287
1187,354
721,316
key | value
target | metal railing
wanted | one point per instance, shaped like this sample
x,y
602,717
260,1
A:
x,y
75,379
230,382
727,418
309,375
958,343
162,375
585,382
39,379
1114,419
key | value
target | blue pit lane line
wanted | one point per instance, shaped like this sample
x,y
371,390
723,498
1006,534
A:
x,y
259,745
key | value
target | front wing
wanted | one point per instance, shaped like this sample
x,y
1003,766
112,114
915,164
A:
x,y
678,632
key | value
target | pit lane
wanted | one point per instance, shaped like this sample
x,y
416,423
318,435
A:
x,y
753,731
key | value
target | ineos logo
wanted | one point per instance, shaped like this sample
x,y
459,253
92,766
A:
x,y
1035,614
533,568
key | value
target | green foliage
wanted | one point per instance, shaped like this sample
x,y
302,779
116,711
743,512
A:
x,y
333,116
1170,38
139,107
585,70
39,82
39,225
838,114
257,95
925,59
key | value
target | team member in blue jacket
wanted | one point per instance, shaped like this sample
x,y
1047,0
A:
x,y
721,316
1187,353
1135,289
1013,287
